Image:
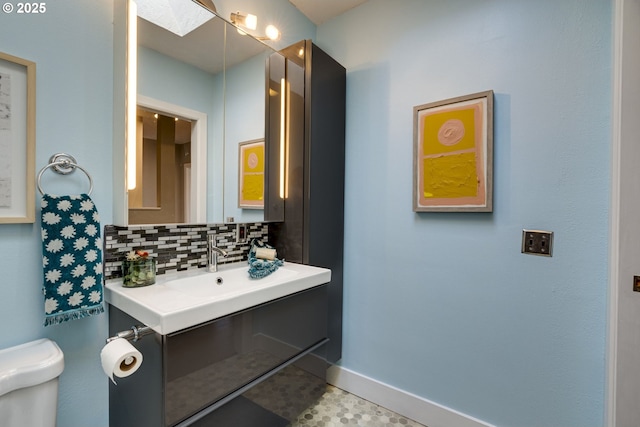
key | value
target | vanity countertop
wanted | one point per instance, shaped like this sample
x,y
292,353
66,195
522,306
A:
x,y
185,299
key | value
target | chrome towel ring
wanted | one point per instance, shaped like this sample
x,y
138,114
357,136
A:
x,y
63,164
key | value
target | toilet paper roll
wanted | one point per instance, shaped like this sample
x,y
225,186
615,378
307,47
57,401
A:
x,y
266,253
120,358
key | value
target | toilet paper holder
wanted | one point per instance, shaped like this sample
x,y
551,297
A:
x,y
135,333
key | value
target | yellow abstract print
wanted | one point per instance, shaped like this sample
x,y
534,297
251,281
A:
x,y
251,194
449,147
451,154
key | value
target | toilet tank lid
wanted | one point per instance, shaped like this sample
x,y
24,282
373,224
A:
x,y
29,364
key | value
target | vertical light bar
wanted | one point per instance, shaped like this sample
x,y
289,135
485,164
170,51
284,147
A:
x,y
286,138
132,78
282,138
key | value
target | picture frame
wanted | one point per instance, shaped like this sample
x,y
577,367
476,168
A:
x,y
453,154
17,139
251,174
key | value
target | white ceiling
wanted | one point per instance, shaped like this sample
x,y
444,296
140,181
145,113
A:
x,y
319,11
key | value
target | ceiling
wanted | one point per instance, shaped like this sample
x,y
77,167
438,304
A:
x,y
319,11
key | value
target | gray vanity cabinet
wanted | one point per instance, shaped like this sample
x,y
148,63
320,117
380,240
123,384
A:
x,y
305,167
259,367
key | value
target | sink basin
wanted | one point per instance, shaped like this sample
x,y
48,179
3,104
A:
x,y
185,299
227,282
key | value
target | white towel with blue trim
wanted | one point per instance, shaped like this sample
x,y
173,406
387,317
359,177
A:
x,y
71,258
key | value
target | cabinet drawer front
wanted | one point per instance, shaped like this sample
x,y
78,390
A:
x,y
208,362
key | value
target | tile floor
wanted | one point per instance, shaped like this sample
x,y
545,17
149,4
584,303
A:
x,y
289,392
294,397
337,408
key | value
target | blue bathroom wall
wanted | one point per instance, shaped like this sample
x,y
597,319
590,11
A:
x,y
444,305
72,46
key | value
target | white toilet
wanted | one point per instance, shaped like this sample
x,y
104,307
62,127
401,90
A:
x,y
29,384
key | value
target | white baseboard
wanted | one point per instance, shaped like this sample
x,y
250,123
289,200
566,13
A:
x,y
406,404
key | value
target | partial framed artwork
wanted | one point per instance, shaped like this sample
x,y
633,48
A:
x,y
453,155
17,139
251,174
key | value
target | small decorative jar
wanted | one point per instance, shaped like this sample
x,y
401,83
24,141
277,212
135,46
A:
x,y
138,270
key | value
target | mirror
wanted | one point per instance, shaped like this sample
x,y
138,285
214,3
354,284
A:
x,y
213,78
163,156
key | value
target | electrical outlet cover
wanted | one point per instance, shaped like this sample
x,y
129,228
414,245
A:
x,y
537,242
241,233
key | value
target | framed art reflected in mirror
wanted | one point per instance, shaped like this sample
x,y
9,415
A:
x,y
251,174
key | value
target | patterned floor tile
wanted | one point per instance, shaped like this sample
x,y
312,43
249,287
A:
x,y
337,408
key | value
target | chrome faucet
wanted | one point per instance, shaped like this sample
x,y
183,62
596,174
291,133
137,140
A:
x,y
212,254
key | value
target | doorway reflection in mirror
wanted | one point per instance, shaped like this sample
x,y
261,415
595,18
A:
x,y
163,145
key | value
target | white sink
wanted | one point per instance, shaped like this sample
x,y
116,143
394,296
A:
x,y
227,282
181,300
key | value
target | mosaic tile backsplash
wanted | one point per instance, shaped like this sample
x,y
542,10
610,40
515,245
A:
x,y
175,247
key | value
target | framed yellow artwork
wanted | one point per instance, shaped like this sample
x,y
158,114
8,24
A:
x,y
251,174
453,155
